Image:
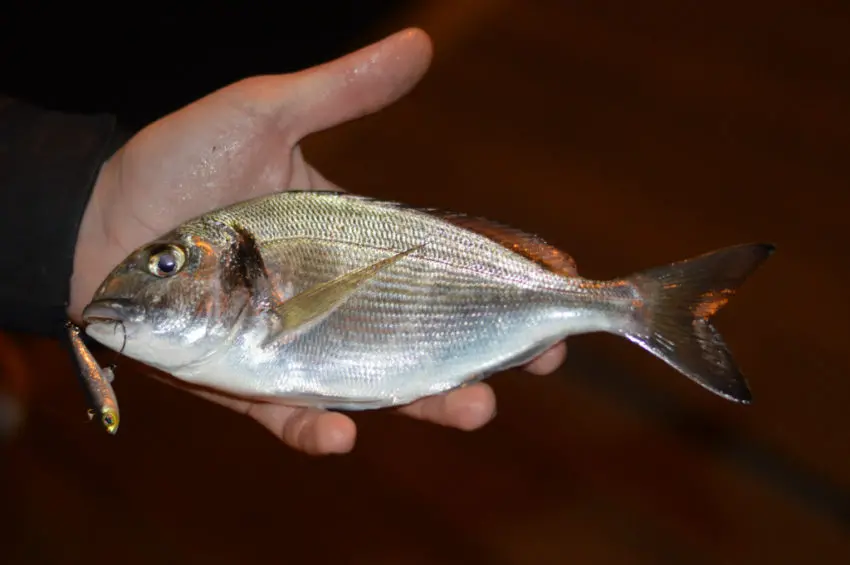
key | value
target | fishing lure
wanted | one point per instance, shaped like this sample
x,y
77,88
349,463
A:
x,y
96,382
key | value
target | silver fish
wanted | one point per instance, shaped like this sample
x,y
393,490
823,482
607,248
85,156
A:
x,y
345,302
96,382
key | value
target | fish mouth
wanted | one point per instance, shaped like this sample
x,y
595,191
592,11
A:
x,y
111,311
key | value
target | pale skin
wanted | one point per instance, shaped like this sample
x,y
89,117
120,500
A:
x,y
241,142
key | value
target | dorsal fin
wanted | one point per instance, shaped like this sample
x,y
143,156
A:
x,y
529,246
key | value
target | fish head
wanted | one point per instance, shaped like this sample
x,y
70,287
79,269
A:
x,y
168,304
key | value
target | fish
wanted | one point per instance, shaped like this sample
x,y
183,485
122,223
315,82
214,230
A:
x,y
96,381
346,302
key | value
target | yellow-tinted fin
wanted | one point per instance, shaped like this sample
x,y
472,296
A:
x,y
529,246
314,304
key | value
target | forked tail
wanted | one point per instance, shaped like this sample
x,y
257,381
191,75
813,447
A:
x,y
679,300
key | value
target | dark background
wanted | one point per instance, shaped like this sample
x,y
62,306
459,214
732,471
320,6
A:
x,y
142,62
629,134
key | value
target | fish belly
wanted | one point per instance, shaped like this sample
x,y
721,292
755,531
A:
x,y
393,355
421,327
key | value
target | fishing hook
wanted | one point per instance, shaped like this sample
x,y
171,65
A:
x,y
123,344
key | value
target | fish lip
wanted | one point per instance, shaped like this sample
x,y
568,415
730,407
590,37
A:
x,y
111,310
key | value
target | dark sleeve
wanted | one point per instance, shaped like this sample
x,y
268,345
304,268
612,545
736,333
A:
x,y
49,162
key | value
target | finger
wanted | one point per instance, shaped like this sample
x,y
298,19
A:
x,y
305,176
319,182
549,360
467,408
354,85
312,431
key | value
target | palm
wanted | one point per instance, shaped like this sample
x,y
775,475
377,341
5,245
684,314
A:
x,y
152,200
242,142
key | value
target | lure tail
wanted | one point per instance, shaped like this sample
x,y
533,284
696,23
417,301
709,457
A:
x,y
679,300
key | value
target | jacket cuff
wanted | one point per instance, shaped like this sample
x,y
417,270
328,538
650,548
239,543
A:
x,y
49,163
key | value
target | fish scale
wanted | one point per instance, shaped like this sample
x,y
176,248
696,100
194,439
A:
x,y
345,302
386,226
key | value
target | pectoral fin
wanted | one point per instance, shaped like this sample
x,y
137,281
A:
x,y
315,304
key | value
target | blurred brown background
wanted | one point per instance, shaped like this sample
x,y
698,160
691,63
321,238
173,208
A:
x,y
628,133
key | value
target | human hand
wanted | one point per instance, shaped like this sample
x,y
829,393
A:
x,y
241,142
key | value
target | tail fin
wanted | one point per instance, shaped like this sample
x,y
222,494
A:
x,y
679,300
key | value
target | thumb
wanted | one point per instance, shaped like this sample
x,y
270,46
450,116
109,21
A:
x,y
347,88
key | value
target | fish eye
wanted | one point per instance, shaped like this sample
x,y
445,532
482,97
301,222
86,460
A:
x,y
166,261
